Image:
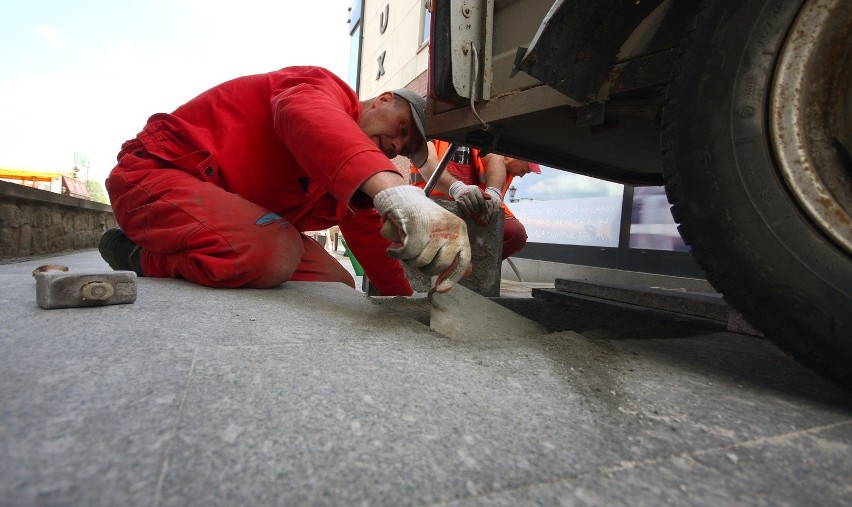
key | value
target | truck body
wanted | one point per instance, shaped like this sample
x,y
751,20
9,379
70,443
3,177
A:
x,y
742,109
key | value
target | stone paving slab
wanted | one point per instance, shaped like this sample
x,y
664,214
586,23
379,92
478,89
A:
x,y
313,394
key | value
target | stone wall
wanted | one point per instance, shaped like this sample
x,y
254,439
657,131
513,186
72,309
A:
x,y
37,222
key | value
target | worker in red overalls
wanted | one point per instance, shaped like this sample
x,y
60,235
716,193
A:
x,y
478,183
219,191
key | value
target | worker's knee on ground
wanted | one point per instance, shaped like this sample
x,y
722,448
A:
x,y
514,237
274,259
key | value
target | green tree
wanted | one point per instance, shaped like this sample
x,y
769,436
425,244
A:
x,y
96,192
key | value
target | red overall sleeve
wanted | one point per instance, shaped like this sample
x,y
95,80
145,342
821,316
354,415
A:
x,y
315,115
361,231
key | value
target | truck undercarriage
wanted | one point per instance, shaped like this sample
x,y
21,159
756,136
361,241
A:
x,y
743,110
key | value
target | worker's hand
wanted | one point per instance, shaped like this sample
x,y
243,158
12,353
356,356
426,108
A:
x,y
493,193
427,236
469,198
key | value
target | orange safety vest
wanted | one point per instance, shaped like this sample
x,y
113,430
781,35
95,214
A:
x,y
469,174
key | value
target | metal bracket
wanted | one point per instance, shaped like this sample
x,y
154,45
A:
x,y
470,33
591,115
474,77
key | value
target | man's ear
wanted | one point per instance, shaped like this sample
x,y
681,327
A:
x,y
386,97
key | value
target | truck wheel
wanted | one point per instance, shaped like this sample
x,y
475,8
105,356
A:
x,y
756,143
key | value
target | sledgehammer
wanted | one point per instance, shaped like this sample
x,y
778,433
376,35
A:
x,y
56,288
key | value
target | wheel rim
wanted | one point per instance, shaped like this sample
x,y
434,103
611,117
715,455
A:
x,y
811,115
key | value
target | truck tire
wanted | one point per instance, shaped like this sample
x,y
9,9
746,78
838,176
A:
x,y
756,153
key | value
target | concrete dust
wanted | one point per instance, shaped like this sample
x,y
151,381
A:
x,y
461,313
591,366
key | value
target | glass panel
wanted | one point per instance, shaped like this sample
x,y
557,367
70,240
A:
x,y
563,208
354,60
427,22
354,15
584,221
651,224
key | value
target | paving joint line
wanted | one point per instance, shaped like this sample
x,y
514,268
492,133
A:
x,y
165,467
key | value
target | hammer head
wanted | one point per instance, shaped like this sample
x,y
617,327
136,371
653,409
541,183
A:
x,y
57,289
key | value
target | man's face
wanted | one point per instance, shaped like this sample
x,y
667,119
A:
x,y
517,168
387,121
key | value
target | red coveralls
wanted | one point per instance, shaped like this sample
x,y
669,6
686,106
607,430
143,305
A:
x,y
514,232
218,191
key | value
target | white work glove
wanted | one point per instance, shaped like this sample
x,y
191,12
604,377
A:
x,y
469,198
496,197
430,238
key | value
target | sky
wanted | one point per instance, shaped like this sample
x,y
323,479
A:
x,y
554,184
83,76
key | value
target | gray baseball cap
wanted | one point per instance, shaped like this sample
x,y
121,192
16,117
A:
x,y
418,113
